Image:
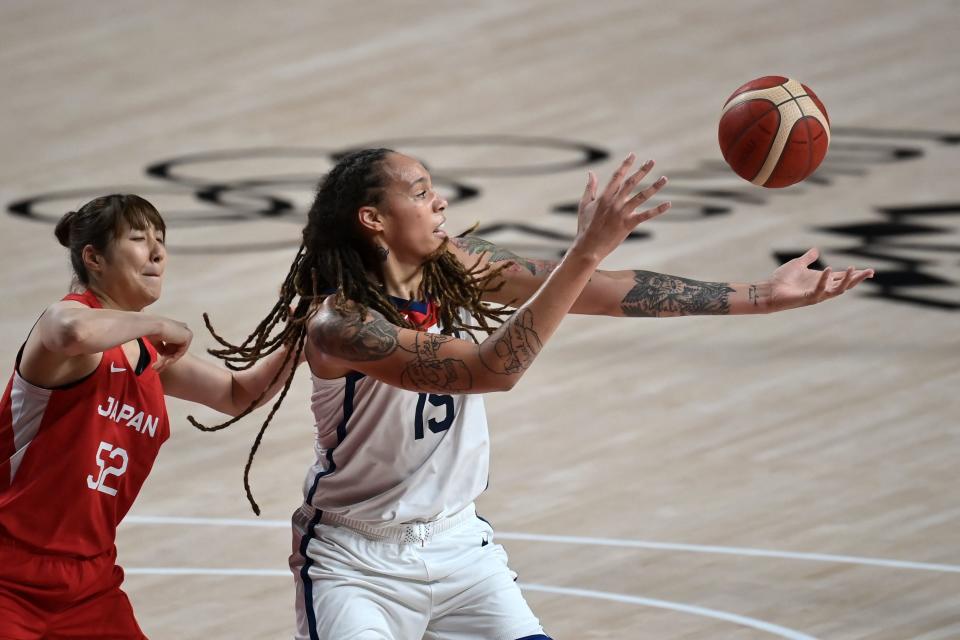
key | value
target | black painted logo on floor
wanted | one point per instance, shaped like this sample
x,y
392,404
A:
x,y
908,242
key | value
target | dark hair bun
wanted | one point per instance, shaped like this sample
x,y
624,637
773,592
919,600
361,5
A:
x,y
62,231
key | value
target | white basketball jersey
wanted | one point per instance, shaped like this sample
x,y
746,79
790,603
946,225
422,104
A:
x,y
386,455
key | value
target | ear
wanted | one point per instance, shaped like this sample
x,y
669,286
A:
x,y
370,219
92,260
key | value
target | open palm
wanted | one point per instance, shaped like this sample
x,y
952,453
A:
x,y
795,284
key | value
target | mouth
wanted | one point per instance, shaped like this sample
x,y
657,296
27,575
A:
x,y
439,230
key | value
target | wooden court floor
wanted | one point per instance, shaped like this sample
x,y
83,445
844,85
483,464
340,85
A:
x,y
792,475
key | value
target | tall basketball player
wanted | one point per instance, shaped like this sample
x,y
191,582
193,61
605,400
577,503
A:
x,y
82,420
387,543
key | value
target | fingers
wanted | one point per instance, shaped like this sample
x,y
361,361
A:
x,y
635,179
646,194
831,285
648,214
590,191
619,185
844,282
170,351
809,257
161,363
849,279
171,354
616,180
819,292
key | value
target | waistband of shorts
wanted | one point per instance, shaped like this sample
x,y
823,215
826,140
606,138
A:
x,y
8,542
419,532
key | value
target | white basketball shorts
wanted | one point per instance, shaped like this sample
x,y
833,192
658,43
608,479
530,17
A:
x,y
451,585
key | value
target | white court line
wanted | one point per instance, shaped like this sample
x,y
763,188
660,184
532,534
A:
x,y
189,571
600,542
753,623
777,630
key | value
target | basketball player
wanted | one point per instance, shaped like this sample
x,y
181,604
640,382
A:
x,y
387,544
83,418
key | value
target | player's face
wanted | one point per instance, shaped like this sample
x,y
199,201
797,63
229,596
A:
x,y
413,213
133,268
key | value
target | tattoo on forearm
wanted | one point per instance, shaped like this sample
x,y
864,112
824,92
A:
x,y
515,345
350,338
429,371
476,246
656,294
754,295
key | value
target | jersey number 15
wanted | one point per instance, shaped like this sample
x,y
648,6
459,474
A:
x,y
436,426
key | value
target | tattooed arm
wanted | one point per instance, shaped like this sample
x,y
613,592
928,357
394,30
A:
x,y
646,294
344,340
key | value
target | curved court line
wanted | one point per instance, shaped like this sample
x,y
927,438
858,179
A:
x,y
753,623
733,551
600,542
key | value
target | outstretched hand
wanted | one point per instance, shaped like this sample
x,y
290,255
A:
x,y
604,221
795,284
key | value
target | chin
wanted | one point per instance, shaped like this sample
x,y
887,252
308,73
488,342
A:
x,y
149,297
438,249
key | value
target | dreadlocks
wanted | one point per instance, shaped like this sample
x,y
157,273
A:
x,y
335,259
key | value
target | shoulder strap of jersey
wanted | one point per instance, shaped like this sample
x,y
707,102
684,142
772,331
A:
x,y
86,297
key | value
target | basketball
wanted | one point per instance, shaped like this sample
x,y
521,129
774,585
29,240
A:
x,y
774,131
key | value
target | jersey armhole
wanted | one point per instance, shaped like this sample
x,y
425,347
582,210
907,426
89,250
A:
x,y
144,360
16,364
61,387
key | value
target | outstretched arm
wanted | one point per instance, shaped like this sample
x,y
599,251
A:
x,y
637,293
230,392
69,338
346,339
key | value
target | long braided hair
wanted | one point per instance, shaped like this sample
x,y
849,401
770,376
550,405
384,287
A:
x,y
335,258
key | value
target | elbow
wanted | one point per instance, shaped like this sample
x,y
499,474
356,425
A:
x,y
496,383
239,400
497,375
69,336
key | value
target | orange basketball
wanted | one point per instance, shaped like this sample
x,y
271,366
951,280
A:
x,y
774,131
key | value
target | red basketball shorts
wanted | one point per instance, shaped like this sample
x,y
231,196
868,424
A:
x,y
52,597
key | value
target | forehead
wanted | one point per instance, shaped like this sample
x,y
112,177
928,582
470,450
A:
x,y
127,226
404,169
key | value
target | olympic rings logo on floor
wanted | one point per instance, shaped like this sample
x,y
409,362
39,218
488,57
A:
x,y
217,191
276,184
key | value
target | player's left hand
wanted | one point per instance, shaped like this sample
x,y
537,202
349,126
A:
x,y
794,284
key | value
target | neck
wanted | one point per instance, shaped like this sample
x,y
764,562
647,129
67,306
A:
x,y
108,301
402,280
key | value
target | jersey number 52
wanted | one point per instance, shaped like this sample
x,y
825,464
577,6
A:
x,y
115,454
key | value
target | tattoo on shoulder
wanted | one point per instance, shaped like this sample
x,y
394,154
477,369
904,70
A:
x,y
656,294
351,338
476,246
515,345
428,370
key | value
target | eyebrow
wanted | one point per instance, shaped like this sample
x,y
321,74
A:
x,y
420,179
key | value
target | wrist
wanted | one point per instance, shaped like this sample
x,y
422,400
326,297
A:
x,y
155,325
760,297
581,258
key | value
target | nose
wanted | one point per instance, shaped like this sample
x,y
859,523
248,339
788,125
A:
x,y
158,252
440,203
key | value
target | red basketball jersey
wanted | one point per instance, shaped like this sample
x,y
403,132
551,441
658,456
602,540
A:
x,y
73,458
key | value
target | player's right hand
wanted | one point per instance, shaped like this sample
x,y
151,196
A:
x,y
605,221
171,343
